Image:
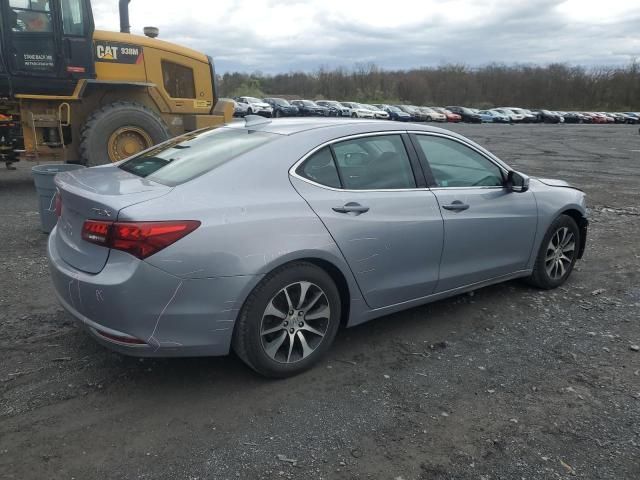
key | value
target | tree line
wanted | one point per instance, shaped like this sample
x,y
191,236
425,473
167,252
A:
x,y
554,86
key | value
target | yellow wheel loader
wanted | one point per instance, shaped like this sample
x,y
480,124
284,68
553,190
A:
x,y
71,93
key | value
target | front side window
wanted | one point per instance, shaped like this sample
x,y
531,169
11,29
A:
x,y
73,17
456,165
30,16
178,80
378,162
193,154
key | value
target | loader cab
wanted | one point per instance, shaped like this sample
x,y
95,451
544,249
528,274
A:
x,y
46,46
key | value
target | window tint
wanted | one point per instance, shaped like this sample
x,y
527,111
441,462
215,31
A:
x,y
373,163
321,168
456,165
178,80
73,17
191,155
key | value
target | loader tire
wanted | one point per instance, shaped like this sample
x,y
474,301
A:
x,y
118,131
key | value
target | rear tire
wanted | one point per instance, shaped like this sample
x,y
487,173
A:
x,y
294,301
119,130
557,255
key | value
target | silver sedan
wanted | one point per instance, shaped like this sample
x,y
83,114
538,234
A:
x,y
265,236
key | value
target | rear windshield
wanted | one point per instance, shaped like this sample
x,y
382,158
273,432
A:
x,y
189,156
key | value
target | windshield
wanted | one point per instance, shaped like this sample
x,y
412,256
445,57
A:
x,y
189,156
309,103
394,109
253,100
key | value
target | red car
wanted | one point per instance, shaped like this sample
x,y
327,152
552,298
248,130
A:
x,y
451,117
596,117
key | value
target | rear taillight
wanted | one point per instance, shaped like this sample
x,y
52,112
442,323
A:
x,y
140,239
97,232
58,205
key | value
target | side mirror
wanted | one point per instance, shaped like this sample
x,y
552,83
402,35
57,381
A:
x,y
517,182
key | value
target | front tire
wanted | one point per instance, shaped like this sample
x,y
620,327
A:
x,y
289,321
557,255
118,131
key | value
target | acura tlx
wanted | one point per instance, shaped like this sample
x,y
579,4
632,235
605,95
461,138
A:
x,y
265,236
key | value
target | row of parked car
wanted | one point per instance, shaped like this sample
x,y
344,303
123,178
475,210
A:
x,y
279,107
523,115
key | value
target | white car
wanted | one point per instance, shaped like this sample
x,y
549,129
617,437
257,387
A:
x,y
239,109
359,111
255,106
377,112
513,116
432,114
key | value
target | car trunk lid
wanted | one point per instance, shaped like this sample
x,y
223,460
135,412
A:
x,y
97,194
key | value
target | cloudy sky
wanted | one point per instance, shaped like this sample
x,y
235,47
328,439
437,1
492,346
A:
x,y
284,35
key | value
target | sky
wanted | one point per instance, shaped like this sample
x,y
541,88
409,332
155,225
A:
x,y
302,35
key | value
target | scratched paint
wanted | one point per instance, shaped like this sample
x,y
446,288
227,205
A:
x,y
152,340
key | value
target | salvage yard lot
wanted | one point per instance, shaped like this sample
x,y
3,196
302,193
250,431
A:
x,y
509,382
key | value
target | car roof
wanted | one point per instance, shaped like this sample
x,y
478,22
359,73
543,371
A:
x,y
291,126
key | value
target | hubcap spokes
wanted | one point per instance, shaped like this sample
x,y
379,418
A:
x,y
295,322
560,251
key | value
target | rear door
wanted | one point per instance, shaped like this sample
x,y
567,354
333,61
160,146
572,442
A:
x,y
383,219
488,229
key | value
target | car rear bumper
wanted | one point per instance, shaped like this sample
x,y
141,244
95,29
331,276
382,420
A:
x,y
138,309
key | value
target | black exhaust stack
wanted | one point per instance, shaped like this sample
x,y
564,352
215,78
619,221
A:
x,y
124,16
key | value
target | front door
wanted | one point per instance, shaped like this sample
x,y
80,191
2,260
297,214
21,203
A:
x,y
488,230
388,226
77,38
47,44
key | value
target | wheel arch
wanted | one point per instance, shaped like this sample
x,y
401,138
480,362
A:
x,y
582,223
351,300
341,283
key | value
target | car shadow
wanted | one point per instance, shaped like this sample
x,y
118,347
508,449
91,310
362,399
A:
x,y
361,346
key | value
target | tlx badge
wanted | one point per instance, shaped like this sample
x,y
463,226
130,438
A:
x,y
101,211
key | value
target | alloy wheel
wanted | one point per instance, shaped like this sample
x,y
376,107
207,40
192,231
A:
x,y
295,322
560,253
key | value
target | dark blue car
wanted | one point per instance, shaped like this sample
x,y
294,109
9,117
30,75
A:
x,y
281,107
307,108
394,112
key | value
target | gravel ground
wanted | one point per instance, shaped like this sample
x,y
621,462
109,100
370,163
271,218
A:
x,y
505,383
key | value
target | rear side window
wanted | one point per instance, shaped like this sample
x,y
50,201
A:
x,y
378,162
189,156
321,168
178,80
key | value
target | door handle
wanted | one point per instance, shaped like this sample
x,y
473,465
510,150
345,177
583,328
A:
x,y
456,206
351,207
